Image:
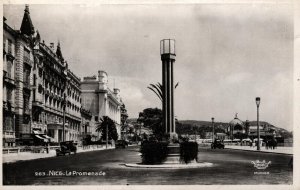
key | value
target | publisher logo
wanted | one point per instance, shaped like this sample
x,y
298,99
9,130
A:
x,y
261,165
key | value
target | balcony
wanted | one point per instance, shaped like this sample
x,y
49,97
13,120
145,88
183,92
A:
x,y
8,106
26,85
9,53
8,78
8,134
27,60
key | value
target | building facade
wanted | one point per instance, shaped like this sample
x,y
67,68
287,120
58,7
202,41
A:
x,y
56,96
41,95
9,86
17,80
100,100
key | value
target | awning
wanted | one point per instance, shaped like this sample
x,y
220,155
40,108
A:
x,y
47,137
38,136
35,131
42,138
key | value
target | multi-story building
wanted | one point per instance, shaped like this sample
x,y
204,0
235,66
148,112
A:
x,y
42,96
100,100
9,86
18,62
55,88
124,116
40,93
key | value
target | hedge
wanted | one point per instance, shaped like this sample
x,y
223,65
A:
x,y
154,152
188,151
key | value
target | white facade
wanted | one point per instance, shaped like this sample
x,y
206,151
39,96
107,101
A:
x,y
100,100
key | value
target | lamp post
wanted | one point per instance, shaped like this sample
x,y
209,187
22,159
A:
x,y
213,127
257,100
64,117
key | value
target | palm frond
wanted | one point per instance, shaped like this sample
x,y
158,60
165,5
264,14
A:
x,y
158,89
155,92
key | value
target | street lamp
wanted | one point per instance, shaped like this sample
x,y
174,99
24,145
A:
x,y
257,100
213,127
64,117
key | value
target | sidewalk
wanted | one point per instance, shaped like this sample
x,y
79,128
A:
x,y
278,150
14,157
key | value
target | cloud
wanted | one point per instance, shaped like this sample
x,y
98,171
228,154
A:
x,y
131,94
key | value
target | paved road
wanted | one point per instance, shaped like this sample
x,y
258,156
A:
x,y
229,167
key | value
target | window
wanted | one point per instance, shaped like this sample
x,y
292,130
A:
x,y
26,104
9,94
34,79
96,118
26,55
26,76
9,68
33,95
9,46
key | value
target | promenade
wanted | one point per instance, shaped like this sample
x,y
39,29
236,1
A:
x,y
279,150
21,156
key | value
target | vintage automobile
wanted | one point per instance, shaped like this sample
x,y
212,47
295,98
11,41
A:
x,y
121,144
217,144
66,147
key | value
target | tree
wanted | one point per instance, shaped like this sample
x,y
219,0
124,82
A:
x,y
152,118
158,89
106,122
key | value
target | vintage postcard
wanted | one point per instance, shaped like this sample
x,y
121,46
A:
x,y
173,94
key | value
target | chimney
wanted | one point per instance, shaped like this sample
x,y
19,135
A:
x,y
52,46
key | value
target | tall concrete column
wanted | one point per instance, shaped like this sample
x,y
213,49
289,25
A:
x,y
167,51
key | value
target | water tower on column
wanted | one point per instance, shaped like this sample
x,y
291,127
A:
x,y
168,54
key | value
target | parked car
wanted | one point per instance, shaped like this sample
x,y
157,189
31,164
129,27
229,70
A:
x,y
66,147
121,144
217,144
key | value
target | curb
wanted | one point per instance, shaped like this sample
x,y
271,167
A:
x,y
171,166
291,154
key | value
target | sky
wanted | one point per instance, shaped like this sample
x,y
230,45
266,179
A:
x,y
226,54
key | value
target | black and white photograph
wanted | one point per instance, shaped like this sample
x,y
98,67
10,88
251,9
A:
x,y
149,93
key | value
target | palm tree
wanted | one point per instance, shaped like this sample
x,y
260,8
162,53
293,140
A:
x,y
158,89
107,123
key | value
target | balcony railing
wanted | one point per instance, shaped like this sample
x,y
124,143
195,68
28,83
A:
x,y
8,78
8,134
9,50
26,84
27,60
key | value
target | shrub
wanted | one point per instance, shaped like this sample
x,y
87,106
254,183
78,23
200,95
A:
x,y
188,151
154,152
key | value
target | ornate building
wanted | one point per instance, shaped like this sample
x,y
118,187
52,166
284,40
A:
x,y
39,91
238,129
17,80
9,87
55,88
97,97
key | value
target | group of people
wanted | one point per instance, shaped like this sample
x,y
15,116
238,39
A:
x,y
271,144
